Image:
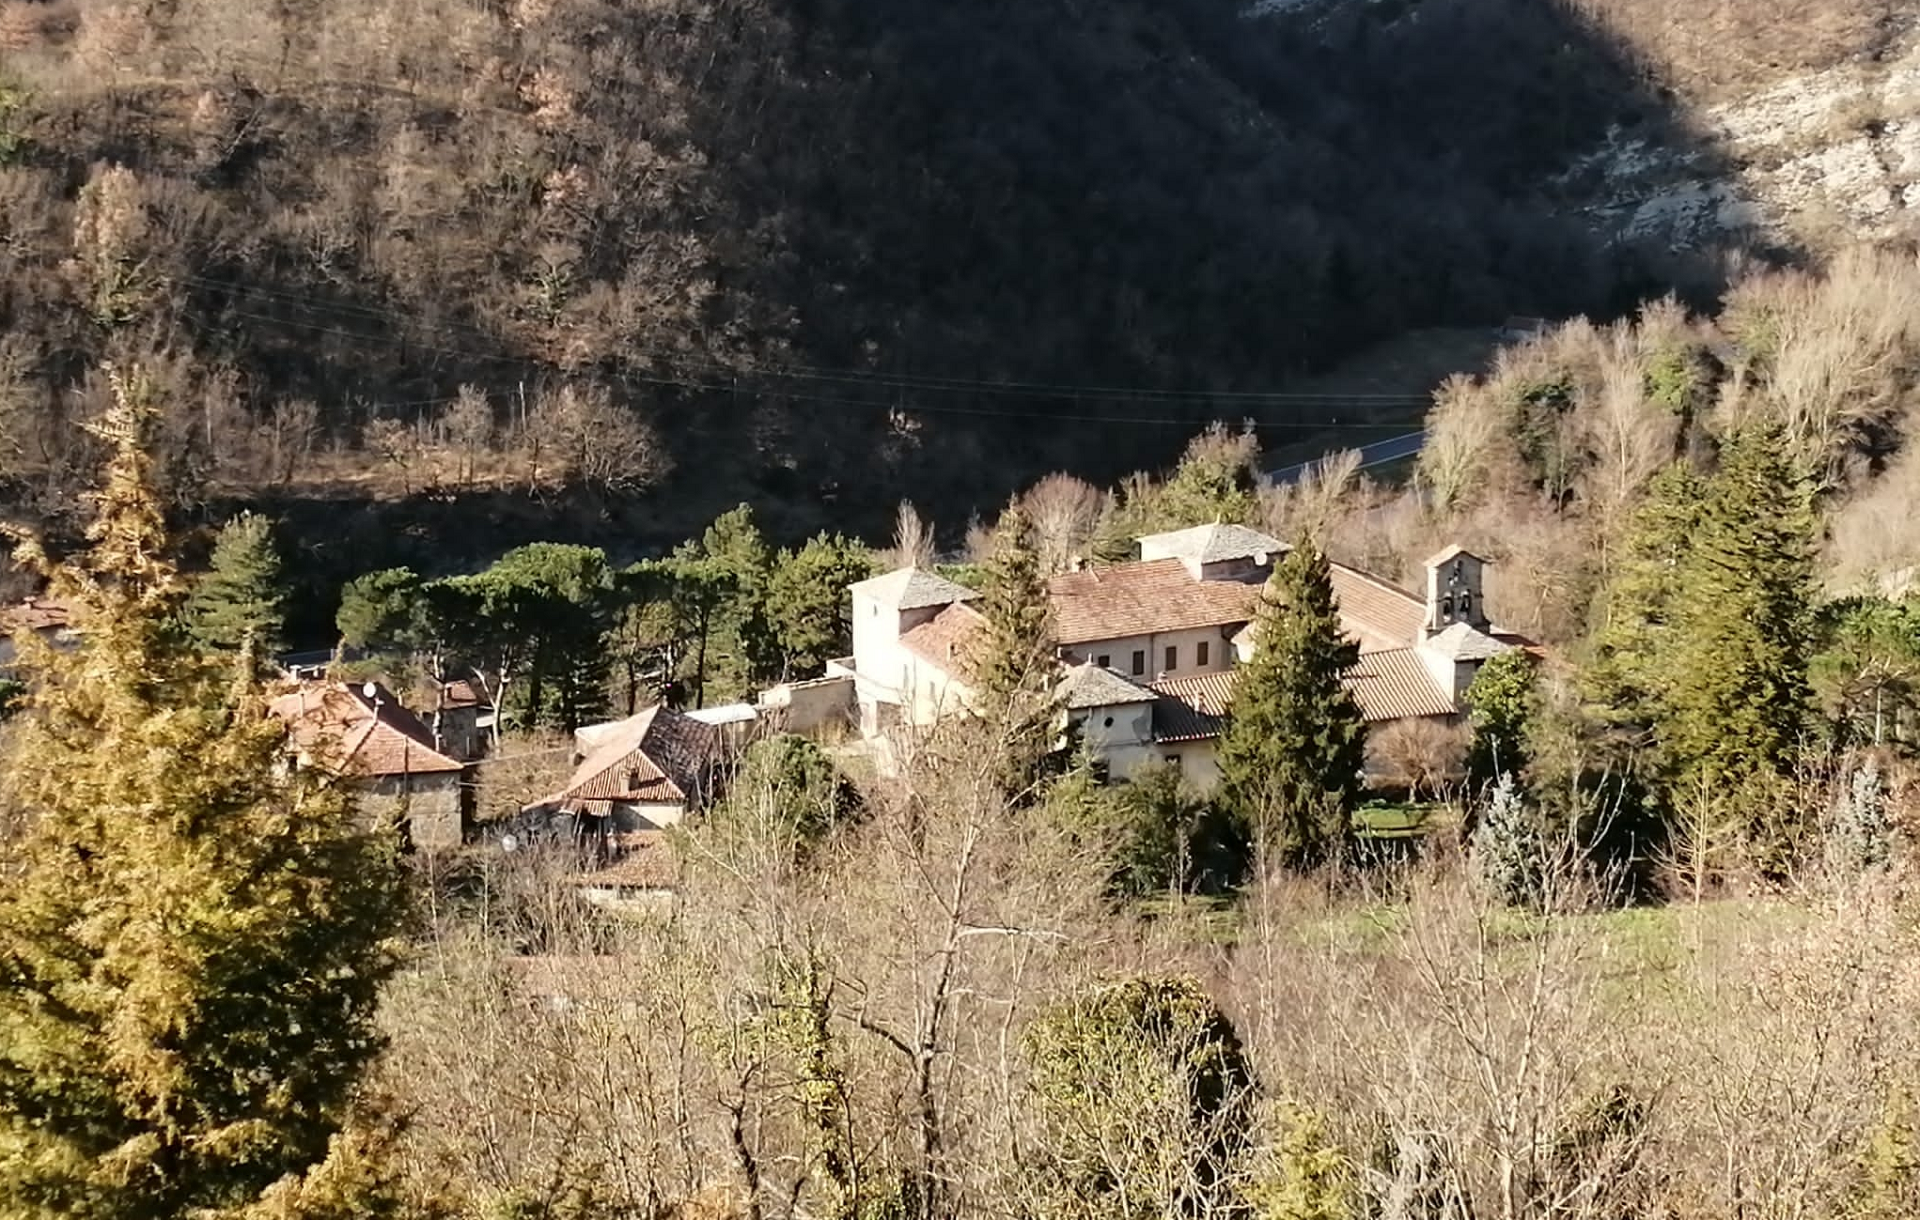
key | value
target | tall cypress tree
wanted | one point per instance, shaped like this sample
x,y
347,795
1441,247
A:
x,y
1738,704
241,597
191,941
1295,741
1011,664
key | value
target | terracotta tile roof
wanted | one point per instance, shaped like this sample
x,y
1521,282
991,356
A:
x,y
1143,598
1089,685
1216,543
658,756
1191,709
1162,595
1396,684
338,726
1376,614
1388,685
463,693
912,589
943,639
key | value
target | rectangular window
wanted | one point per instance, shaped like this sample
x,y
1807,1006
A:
x,y
1103,661
1139,661
1200,654
1173,657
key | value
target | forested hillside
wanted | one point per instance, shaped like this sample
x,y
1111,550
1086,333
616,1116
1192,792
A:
x,y
769,245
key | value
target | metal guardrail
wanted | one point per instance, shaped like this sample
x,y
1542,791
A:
x,y
1378,453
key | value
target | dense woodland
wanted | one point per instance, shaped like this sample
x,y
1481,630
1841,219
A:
x,y
549,252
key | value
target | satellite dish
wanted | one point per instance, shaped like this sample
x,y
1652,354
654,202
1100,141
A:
x,y
509,842
370,690
1260,559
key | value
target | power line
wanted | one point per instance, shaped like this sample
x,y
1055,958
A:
x,y
797,396
681,360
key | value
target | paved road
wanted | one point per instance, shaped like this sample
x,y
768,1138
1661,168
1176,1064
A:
x,y
1389,450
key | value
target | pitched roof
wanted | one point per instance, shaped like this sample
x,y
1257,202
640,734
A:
x,y
912,589
1192,708
1143,598
1465,642
343,728
1215,543
1434,561
943,638
657,756
1395,684
1156,595
1091,685
1376,614
1388,685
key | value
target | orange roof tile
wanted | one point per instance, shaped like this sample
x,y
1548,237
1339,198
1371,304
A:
x,y
1395,684
1376,614
656,757
1108,603
340,727
1388,685
944,638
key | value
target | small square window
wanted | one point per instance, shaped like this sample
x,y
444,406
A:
x,y
1139,661
1200,653
1103,661
1173,657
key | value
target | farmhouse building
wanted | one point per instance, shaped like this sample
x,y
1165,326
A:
x,y
1152,648
385,754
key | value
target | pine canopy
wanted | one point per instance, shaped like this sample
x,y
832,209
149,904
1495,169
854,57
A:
x,y
191,940
240,599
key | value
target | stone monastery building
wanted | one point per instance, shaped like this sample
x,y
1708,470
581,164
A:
x,y
1152,647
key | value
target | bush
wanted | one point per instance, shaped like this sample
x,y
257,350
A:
x,y
1506,853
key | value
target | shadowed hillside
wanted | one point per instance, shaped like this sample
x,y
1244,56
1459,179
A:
x,y
762,248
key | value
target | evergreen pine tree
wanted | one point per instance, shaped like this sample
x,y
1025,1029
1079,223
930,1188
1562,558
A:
x,y
1291,755
191,941
1011,665
1737,701
240,598
1633,644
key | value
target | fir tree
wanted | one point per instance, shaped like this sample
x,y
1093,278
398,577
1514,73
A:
x,y
1506,852
1633,645
1736,698
1294,744
240,599
1010,663
191,941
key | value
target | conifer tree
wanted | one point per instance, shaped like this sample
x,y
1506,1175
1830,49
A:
x,y
1011,665
1295,741
240,598
1737,704
1632,662
191,940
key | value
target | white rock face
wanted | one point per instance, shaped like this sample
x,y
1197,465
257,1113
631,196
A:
x,y
1835,150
